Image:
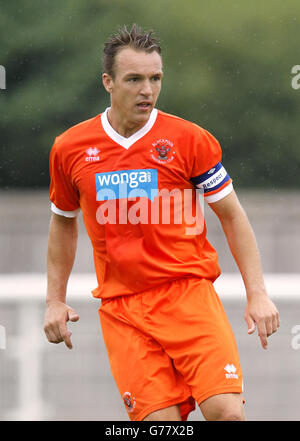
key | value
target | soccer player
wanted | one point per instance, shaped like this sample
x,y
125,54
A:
x,y
168,339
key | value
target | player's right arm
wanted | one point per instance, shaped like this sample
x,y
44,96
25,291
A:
x,y
62,244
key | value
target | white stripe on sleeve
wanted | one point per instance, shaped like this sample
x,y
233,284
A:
x,y
56,210
220,195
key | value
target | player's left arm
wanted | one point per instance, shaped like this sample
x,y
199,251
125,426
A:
x,y
260,310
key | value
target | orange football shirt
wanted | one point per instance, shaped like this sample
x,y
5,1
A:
x,y
138,198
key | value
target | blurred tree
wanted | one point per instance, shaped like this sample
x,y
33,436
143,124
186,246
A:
x,y
227,67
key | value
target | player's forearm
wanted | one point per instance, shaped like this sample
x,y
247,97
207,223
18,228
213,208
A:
x,y
243,246
62,243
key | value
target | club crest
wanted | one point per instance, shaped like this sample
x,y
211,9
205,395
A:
x,y
162,151
129,401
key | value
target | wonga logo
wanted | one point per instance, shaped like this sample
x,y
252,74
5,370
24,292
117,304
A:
x,y
126,183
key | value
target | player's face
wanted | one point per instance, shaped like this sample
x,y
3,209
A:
x,y
136,85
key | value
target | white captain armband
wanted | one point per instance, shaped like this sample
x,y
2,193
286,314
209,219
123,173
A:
x,y
215,183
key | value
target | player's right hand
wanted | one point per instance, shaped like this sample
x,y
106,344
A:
x,y
55,325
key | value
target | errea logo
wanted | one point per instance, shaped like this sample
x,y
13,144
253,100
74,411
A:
x,y
92,154
231,371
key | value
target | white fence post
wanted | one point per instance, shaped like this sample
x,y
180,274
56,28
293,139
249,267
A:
x,y
26,347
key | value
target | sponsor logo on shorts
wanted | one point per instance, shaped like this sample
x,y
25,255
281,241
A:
x,y
129,401
230,371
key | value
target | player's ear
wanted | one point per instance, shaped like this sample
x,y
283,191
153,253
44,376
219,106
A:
x,y
107,82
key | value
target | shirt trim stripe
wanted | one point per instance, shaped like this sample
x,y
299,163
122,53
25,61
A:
x,y
121,140
220,195
70,214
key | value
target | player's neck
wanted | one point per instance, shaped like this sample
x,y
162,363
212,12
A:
x,y
123,125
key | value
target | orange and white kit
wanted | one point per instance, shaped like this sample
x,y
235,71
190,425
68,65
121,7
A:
x,y
170,345
166,333
94,169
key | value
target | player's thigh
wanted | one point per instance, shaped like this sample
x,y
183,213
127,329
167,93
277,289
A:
x,y
194,330
171,413
144,373
223,407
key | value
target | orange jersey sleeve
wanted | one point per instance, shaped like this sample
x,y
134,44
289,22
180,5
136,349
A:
x,y
207,172
63,195
205,150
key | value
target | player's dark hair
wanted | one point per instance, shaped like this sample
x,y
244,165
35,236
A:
x,y
134,38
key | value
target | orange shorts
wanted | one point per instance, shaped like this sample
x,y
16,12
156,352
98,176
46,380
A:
x,y
170,345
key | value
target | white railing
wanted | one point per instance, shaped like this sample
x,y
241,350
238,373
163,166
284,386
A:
x,y
27,292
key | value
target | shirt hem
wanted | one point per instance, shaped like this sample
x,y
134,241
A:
x,y
220,390
60,212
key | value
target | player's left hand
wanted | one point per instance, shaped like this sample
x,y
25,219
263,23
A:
x,y
261,312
